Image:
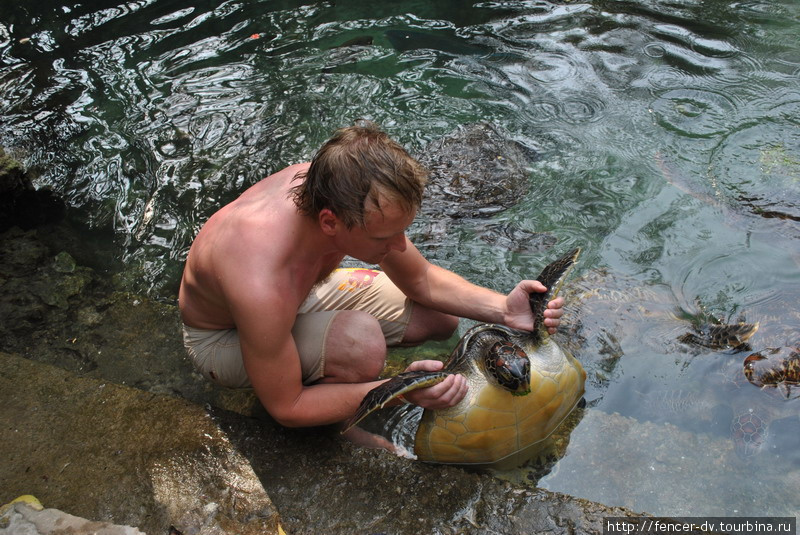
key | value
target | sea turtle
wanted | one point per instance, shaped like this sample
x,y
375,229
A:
x,y
522,385
781,171
776,373
476,172
775,367
752,393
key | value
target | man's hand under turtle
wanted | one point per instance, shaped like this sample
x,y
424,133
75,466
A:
x,y
518,309
440,396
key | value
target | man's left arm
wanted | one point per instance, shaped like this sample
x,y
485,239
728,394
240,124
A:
x,y
443,290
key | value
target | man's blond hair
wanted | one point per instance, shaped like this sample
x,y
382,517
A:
x,y
356,168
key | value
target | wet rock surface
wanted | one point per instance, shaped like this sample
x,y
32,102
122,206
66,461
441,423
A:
x,y
108,452
58,312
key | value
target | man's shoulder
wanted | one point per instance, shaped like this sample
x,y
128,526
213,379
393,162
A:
x,y
275,186
290,172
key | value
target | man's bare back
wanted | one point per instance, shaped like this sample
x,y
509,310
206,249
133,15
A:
x,y
258,240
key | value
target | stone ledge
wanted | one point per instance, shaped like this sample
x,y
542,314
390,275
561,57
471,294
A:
x,y
113,453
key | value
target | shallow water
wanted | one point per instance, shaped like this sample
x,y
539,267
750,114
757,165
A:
x,y
669,142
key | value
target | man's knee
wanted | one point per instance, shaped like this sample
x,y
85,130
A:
x,y
355,349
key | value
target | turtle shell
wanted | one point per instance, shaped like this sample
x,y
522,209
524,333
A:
x,y
492,423
500,416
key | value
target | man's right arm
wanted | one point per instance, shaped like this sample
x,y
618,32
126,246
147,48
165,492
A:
x,y
273,365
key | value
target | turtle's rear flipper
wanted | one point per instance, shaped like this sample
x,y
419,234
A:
x,y
378,397
721,336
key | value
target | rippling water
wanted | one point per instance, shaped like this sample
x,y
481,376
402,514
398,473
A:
x,y
669,135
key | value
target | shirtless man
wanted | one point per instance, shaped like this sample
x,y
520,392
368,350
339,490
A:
x,y
263,304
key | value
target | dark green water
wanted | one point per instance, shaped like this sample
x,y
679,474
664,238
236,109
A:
x,y
669,135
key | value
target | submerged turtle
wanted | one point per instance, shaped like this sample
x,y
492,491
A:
x,y
776,372
754,395
522,385
476,172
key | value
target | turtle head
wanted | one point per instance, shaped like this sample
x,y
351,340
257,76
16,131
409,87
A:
x,y
508,366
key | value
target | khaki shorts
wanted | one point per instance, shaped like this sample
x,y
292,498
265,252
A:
x,y
218,356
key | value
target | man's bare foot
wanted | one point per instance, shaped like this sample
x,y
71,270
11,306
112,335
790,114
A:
x,y
365,439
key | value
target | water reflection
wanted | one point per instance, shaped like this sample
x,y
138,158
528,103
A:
x,y
668,144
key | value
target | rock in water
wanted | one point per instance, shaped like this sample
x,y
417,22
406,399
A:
x,y
475,171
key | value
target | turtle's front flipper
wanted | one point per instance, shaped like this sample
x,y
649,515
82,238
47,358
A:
x,y
722,336
553,277
378,397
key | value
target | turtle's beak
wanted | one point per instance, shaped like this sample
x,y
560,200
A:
x,y
516,376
